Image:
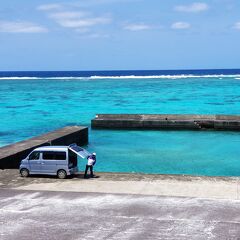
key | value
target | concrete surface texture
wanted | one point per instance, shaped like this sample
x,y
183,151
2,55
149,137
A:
x,y
118,206
167,121
204,189
169,117
58,215
122,183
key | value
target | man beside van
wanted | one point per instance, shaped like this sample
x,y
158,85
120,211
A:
x,y
91,162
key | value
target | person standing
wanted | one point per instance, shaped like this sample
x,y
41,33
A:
x,y
91,162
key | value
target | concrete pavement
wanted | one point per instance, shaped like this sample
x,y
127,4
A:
x,y
86,216
120,183
118,206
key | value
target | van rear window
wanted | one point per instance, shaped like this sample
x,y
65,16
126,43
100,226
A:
x,y
54,155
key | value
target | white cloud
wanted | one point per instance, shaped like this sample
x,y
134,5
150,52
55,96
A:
x,y
82,23
137,27
21,27
49,7
180,25
74,16
68,18
67,14
237,25
90,3
192,8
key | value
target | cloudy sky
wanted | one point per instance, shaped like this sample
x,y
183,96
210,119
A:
x,y
119,34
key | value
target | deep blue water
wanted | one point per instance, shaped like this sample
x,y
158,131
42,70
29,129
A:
x,y
52,74
43,101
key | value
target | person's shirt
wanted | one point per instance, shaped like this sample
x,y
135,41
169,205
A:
x,y
91,161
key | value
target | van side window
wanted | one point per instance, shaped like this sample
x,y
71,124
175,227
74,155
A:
x,y
34,155
60,155
48,155
54,155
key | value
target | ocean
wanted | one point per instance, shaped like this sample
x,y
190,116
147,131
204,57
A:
x,y
32,103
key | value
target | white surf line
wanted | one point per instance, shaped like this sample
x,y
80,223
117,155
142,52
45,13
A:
x,y
177,76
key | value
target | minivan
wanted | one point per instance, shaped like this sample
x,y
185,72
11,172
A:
x,y
53,160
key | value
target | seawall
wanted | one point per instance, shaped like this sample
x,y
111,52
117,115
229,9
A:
x,y
11,155
166,121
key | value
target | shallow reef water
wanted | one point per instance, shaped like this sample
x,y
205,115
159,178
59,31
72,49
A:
x,y
34,106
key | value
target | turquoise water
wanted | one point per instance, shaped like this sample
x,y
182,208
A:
x,y
31,107
185,152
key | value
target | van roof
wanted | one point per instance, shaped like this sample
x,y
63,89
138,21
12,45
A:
x,y
81,152
52,148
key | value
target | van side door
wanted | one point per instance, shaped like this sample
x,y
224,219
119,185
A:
x,y
52,161
35,163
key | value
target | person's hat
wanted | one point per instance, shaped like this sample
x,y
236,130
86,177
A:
x,y
94,154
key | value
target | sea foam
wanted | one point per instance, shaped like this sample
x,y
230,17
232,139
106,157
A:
x,y
182,76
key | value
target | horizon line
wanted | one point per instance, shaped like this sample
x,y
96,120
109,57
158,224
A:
x,y
121,70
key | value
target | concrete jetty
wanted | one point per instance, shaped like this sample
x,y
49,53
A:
x,y
166,121
11,155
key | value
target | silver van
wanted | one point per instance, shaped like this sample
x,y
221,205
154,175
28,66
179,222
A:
x,y
53,160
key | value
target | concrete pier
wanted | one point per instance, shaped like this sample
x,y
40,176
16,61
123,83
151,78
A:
x,y
11,155
166,121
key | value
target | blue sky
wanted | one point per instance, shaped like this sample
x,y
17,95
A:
x,y
119,34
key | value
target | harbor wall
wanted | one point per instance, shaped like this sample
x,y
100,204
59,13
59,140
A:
x,y
166,121
11,155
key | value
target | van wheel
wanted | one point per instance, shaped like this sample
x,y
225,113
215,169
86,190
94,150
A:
x,y
61,174
24,172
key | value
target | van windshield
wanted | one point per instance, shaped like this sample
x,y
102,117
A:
x,y
34,155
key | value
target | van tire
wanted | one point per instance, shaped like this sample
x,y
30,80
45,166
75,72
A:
x,y
61,174
24,172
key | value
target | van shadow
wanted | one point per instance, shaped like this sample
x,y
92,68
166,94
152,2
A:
x,y
74,176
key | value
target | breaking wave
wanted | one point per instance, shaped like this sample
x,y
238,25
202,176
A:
x,y
220,76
